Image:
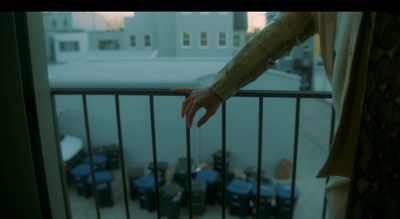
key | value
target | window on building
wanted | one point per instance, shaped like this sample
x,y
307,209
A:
x,y
222,39
133,41
236,40
109,45
203,39
185,39
69,46
147,41
54,23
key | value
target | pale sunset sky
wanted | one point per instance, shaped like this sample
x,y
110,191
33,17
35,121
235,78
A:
x,y
255,19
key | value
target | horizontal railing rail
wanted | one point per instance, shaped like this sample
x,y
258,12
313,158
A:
x,y
260,94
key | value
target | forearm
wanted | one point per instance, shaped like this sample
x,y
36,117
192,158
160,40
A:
x,y
272,43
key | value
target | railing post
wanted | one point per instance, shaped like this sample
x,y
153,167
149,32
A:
x,y
60,160
92,173
259,158
153,138
121,153
223,159
189,167
331,134
296,142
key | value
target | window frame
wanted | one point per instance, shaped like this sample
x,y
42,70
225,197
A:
x,y
64,46
145,41
183,40
201,40
234,40
133,36
219,39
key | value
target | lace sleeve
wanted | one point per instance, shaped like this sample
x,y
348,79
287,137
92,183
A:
x,y
273,42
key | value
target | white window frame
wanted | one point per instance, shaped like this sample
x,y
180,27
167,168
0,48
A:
x,y
219,38
204,13
145,46
130,40
74,42
207,40
234,37
183,39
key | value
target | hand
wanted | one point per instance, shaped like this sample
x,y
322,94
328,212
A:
x,y
200,97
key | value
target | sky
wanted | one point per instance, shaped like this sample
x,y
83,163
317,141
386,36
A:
x,y
255,19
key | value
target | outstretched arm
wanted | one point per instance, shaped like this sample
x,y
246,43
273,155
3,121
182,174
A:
x,y
273,42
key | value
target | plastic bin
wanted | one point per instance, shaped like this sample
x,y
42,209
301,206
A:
x,y
181,176
103,181
211,177
162,168
228,179
283,200
111,151
100,161
239,197
199,188
251,173
79,174
145,187
267,199
217,157
134,174
170,201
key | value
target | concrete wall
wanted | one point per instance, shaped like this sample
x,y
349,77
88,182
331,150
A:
x,y
242,126
80,37
166,34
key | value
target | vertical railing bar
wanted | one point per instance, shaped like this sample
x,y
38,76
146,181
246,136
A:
x,y
331,134
296,142
153,137
59,155
121,153
92,170
189,168
223,159
259,158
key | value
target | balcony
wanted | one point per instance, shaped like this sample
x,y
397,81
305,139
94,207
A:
x,y
303,131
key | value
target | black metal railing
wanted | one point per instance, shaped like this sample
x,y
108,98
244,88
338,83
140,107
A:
x,y
260,94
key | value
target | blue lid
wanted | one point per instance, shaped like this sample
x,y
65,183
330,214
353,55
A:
x,y
97,159
266,190
210,176
101,177
81,170
240,186
285,191
146,181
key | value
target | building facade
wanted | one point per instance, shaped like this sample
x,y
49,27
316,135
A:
x,y
171,34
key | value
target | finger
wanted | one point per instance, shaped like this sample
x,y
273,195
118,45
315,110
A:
x,y
184,106
190,115
182,90
188,105
205,118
